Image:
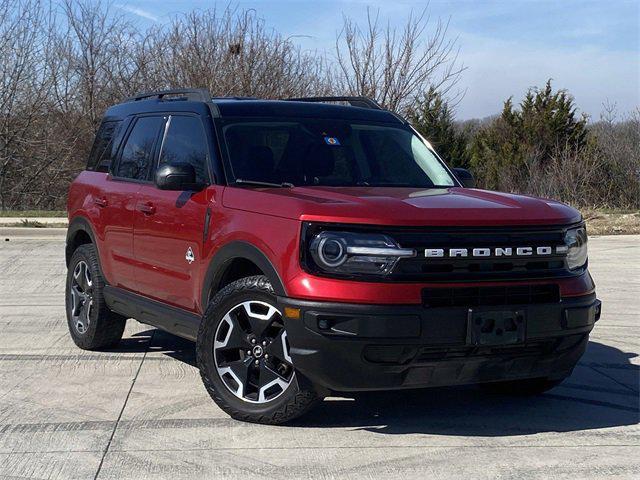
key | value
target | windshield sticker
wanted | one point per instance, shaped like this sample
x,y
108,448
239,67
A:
x,y
331,141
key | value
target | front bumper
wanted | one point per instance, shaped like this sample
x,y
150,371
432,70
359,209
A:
x,y
352,347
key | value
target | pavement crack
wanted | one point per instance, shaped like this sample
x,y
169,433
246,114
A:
x,y
612,379
124,405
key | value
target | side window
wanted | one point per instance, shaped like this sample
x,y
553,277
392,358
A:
x,y
101,153
135,160
185,142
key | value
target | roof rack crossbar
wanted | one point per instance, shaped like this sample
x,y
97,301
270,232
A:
x,y
197,94
363,102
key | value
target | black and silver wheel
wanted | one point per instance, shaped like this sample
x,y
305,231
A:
x,y
244,356
91,324
81,297
251,352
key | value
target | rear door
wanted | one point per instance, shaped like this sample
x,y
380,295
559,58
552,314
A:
x,y
169,226
118,198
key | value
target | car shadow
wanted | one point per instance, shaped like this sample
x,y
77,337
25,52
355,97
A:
x,y
155,340
602,392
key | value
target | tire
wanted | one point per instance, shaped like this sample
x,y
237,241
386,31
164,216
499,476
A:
x,y
522,388
91,324
236,372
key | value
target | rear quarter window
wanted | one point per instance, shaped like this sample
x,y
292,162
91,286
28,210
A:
x,y
104,146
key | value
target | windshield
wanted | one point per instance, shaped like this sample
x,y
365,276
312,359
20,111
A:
x,y
330,153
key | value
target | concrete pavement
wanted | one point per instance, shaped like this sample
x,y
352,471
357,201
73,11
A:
x,y
140,411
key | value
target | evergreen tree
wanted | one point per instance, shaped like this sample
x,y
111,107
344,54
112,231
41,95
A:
x,y
546,123
433,118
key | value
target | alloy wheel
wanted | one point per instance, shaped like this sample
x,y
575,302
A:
x,y
81,293
251,352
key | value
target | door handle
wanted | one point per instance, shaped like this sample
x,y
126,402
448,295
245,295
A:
x,y
147,208
101,202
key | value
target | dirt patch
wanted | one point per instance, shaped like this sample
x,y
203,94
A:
x,y
25,223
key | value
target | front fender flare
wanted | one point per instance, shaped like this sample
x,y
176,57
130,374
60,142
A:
x,y
228,253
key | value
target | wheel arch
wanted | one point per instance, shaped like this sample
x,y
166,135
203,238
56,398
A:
x,y
79,233
235,252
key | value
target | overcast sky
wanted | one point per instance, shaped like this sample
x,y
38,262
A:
x,y
591,48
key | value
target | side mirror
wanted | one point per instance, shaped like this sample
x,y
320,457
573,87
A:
x,y
177,176
465,177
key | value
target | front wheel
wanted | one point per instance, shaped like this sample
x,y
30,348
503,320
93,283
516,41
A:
x,y
244,356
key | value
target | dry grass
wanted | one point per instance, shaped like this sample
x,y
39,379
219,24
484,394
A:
x,y
611,222
33,213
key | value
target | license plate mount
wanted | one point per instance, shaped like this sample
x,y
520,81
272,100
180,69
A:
x,y
496,327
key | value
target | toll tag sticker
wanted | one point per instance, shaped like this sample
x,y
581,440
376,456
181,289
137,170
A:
x,y
333,141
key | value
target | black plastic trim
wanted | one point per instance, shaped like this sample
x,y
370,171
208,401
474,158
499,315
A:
x,y
171,319
207,221
227,254
190,94
79,224
362,102
330,343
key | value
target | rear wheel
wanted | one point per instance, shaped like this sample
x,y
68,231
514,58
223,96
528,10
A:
x,y
526,387
91,324
244,358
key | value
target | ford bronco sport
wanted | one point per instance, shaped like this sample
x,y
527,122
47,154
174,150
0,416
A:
x,y
318,245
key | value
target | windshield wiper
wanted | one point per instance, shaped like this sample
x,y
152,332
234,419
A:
x,y
241,181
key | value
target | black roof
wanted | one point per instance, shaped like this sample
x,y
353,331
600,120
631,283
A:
x,y
248,107
287,108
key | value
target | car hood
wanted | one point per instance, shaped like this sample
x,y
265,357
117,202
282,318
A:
x,y
401,206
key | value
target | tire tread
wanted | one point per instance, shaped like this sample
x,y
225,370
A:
x,y
109,326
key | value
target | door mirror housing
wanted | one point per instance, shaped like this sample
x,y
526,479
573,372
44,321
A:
x,y
177,176
466,177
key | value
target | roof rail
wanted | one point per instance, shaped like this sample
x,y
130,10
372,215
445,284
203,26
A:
x,y
235,98
194,94
363,102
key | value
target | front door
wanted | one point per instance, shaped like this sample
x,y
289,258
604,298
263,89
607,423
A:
x,y
169,225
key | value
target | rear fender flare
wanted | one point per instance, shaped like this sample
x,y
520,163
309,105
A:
x,y
79,224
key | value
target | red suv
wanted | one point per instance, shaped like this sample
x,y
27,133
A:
x,y
311,247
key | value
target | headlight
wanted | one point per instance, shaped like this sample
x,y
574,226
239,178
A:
x,y
356,253
576,242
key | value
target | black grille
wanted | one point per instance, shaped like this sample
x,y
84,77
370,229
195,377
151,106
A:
x,y
428,354
479,296
417,354
542,347
479,268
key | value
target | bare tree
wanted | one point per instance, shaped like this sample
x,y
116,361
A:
x,y
618,140
396,67
95,51
231,53
25,84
